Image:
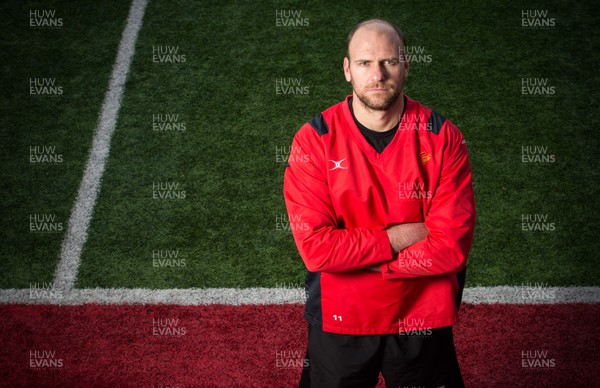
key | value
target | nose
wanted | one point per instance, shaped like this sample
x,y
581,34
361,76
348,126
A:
x,y
378,73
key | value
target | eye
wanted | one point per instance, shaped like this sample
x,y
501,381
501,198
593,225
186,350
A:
x,y
392,62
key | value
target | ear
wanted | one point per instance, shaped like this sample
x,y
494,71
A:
x,y
347,69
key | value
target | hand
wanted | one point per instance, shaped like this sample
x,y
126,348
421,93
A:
x,y
404,235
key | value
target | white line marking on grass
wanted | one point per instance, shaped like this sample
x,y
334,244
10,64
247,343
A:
x,y
262,296
72,245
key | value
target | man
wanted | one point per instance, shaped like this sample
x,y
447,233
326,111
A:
x,y
382,187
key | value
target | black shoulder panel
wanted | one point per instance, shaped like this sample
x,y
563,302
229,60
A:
x,y
435,122
319,124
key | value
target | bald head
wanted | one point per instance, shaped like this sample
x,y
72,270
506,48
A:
x,y
380,26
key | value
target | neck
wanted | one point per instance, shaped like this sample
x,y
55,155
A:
x,y
378,120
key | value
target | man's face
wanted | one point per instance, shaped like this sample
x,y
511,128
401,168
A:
x,y
374,68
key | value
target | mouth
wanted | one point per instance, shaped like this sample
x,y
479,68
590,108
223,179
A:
x,y
378,90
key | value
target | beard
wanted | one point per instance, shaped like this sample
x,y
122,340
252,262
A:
x,y
383,102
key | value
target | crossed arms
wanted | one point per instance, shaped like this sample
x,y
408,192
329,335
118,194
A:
x,y
444,237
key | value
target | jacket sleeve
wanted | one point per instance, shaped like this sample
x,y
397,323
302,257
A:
x,y
450,220
323,245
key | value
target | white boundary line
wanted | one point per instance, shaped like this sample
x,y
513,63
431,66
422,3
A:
x,y
72,245
63,292
249,296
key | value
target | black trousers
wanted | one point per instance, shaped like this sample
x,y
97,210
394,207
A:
x,y
423,358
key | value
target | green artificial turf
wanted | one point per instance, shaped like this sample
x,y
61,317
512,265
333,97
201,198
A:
x,y
78,56
224,229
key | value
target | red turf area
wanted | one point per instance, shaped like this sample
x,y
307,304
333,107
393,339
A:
x,y
263,346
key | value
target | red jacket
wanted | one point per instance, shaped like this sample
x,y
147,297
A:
x,y
341,195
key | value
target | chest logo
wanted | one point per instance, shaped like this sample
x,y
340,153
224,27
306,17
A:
x,y
424,158
337,164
